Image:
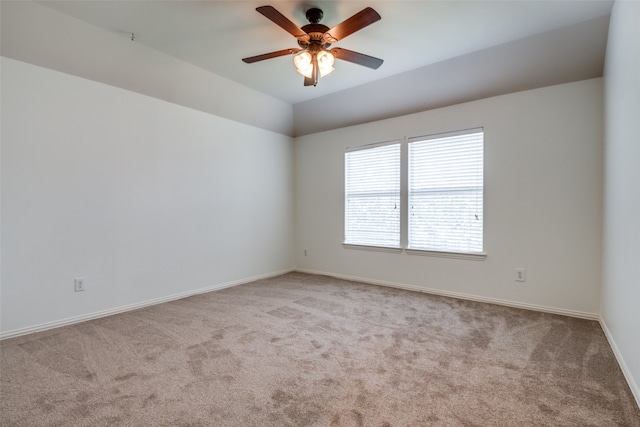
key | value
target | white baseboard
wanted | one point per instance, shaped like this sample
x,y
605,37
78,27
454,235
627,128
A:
x,y
623,365
136,306
130,307
470,297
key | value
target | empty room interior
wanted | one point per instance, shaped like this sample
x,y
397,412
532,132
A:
x,y
440,227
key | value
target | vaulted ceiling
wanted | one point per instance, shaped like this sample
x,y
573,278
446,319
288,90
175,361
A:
x,y
435,53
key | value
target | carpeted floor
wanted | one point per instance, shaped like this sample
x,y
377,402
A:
x,y
304,350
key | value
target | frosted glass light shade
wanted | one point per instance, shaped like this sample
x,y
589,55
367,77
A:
x,y
304,63
325,62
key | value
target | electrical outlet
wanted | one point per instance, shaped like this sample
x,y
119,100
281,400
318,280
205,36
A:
x,y
78,283
521,275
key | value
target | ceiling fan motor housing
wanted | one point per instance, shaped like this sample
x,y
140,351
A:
x,y
315,36
315,30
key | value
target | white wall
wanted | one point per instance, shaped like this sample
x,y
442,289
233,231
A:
x,y
543,200
144,198
621,279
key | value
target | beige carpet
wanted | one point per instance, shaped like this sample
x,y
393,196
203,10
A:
x,y
304,350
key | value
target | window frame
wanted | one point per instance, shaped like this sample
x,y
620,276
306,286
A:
x,y
404,199
365,246
439,136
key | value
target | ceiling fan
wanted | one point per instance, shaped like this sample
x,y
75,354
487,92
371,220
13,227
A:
x,y
314,59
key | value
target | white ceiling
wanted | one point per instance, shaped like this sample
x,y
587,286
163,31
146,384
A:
x,y
215,35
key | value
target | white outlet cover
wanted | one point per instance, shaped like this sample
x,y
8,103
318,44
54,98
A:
x,y
79,284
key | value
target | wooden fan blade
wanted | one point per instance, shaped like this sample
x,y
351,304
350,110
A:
x,y
270,55
282,21
357,22
357,58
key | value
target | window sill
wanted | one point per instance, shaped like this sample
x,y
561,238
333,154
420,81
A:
x,y
372,248
481,256
458,255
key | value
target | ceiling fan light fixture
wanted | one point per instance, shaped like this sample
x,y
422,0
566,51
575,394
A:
x,y
304,62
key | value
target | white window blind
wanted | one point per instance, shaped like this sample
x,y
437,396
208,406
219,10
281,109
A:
x,y
446,192
372,196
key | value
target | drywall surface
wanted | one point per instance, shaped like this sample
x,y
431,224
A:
x,y
621,282
542,207
34,33
141,197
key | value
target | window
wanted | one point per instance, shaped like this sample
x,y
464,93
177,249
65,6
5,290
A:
x,y
372,195
425,194
446,192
